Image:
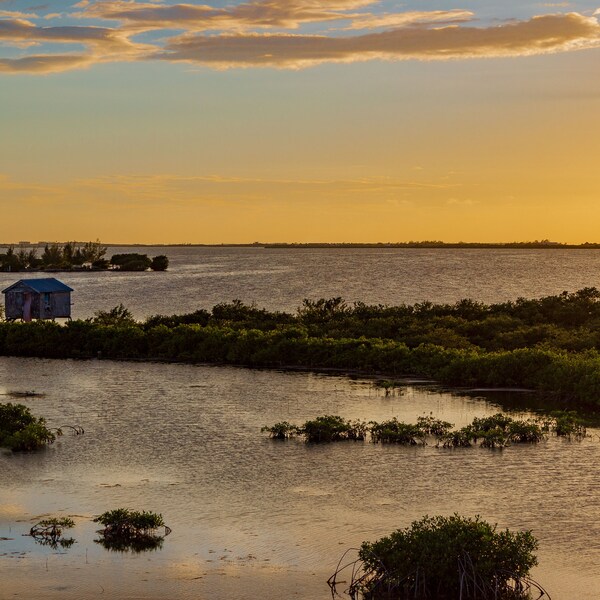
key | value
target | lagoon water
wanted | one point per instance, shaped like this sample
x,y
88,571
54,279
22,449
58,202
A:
x,y
279,279
257,519
253,518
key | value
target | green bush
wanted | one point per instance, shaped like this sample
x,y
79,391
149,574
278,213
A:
x,y
282,431
159,263
21,431
332,428
448,558
396,432
130,530
131,261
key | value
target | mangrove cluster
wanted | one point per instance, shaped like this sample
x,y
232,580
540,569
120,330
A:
x,y
496,431
551,344
447,558
124,530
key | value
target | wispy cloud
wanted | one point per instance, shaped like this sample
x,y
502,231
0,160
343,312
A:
x,y
275,33
285,14
169,189
45,63
392,20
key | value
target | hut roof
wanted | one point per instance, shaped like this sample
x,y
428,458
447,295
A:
x,y
41,286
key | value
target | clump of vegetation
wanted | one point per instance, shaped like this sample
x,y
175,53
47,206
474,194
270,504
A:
x,y
159,263
462,438
129,530
430,425
396,432
496,431
132,261
21,431
326,428
72,255
525,432
49,532
565,424
447,558
282,431
117,316
333,428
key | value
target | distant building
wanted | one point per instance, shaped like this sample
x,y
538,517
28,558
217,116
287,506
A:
x,y
29,299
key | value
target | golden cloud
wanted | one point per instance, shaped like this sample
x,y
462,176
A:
x,y
393,20
103,44
286,14
44,63
539,35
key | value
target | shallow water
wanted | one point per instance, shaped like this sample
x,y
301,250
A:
x,y
251,517
281,279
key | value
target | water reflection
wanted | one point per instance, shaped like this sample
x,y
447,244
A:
x,y
134,545
185,441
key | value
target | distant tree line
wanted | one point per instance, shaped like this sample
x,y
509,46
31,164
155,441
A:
x,y
536,244
77,256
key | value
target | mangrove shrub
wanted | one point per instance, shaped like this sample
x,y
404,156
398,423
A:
x,y
130,530
20,430
447,558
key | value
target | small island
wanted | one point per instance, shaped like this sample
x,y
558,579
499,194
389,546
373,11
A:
x,y
76,256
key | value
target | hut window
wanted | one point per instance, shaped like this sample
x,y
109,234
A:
x,y
47,300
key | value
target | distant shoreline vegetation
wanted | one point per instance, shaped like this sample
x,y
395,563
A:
x,y
75,256
535,245
550,345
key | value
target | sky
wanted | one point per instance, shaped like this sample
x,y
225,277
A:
x,y
299,121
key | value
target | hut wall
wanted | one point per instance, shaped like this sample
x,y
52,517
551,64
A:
x,y
60,305
14,303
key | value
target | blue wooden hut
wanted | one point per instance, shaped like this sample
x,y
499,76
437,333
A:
x,y
29,299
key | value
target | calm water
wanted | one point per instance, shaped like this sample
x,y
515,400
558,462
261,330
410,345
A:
x,y
253,518
280,279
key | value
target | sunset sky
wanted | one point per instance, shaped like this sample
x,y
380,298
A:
x,y
299,120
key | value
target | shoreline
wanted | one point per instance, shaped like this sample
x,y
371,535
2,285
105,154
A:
x,y
351,245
